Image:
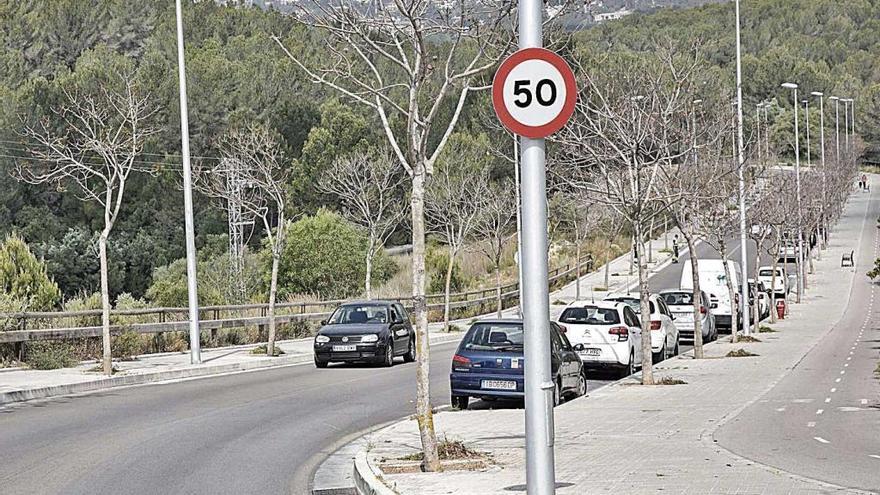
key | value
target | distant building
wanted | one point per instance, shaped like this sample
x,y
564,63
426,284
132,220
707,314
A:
x,y
611,16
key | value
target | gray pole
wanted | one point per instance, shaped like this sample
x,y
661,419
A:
x,y
797,174
539,386
821,97
744,257
518,226
191,284
807,115
758,132
846,124
837,129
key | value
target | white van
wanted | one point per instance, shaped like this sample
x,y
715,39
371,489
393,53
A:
x,y
713,281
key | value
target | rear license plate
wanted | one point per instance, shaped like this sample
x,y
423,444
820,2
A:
x,y
590,353
344,348
498,385
684,316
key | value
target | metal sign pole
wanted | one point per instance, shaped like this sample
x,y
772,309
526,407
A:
x,y
539,386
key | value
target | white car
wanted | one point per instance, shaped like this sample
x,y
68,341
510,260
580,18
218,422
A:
x,y
760,290
680,303
604,334
781,288
664,333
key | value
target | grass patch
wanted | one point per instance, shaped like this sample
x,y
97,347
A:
x,y
448,450
452,328
100,369
666,380
665,250
766,329
559,302
748,338
740,353
600,288
261,350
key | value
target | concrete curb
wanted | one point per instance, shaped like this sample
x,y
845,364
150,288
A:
x,y
366,481
168,375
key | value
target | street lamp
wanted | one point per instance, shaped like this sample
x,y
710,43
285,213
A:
x,y
807,115
821,96
741,162
848,121
797,172
758,108
836,100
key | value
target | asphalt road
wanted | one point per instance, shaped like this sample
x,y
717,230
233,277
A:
x,y
822,420
260,432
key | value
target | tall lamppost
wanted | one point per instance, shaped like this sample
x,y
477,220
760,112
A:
x,y
850,123
821,97
807,115
846,124
797,173
741,162
836,100
758,108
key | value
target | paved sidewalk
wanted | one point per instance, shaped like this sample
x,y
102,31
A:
x,y
627,438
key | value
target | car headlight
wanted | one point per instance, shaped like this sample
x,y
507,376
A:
x,y
322,339
370,338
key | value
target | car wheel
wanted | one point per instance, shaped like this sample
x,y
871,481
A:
x,y
582,385
389,355
630,368
660,356
460,402
320,364
676,350
557,394
410,355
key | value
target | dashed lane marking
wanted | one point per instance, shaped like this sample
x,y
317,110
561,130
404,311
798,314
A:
x,y
827,400
780,409
820,440
833,390
819,411
811,424
875,456
864,401
837,380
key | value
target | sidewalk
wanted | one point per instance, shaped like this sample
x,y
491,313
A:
x,y
18,384
628,438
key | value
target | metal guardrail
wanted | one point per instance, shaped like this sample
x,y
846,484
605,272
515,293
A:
x,y
59,325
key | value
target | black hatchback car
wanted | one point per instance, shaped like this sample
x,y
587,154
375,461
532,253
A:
x,y
365,332
489,364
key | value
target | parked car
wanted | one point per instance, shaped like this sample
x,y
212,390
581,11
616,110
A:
x,y
713,280
759,290
371,332
780,285
489,364
664,333
680,302
606,334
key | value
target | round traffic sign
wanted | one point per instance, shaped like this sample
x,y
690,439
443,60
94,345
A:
x,y
534,92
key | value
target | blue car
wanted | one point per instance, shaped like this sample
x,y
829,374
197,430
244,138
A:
x,y
489,364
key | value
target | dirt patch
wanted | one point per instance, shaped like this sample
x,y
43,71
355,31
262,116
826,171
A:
x,y
747,339
454,456
740,353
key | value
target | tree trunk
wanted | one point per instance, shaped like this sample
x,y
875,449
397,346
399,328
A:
x,y
647,355
756,308
105,304
695,276
273,292
773,288
368,276
424,414
608,265
446,289
731,290
498,288
577,272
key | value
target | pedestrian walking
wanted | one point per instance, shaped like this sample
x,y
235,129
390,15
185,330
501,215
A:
x,y
675,248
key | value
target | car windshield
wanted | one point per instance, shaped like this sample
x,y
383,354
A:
x,y
633,303
494,337
371,313
590,315
768,273
678,298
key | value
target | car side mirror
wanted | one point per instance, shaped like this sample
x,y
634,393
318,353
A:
x,y
579,347
323,322
563,330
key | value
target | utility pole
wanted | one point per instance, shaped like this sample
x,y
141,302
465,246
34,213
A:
x,y
807,115
836,100
741,159
821,97
797,173
189,227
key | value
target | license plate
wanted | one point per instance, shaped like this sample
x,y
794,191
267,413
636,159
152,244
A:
x,y
590,353
684,316
498,385
344,348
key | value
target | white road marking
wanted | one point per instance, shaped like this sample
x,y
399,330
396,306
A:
x,y
780,409
819,411
848,358
875,456
802,401
845,365
833,390
827,400
820,440
864,401
837,380
842,372
811,424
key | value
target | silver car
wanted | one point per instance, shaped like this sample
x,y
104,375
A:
x,y
680,303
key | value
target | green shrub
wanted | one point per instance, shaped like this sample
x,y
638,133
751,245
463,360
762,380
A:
x,y
23,277
436,264
261,349
128,345
47,355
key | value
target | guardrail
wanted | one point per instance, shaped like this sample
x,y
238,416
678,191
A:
x,y
60,325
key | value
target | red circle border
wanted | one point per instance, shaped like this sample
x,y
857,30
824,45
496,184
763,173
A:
x,y
534,132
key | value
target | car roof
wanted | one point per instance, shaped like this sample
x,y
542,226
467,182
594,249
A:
x,y
498,320
369,302
598,304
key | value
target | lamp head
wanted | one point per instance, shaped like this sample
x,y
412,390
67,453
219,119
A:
x,y
789,85
835,98
817,93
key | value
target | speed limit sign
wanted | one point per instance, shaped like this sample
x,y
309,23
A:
x,y
534,92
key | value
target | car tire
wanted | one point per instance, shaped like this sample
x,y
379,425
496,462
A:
x,y
460,402
321,364
582,386
660,356
630,368
676,350
388,361
410,355
557,393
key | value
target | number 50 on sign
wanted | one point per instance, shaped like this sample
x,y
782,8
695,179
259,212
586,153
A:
x,y
534,92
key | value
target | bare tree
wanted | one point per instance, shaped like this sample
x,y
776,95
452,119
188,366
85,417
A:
x,y
578,215
409,62
369,191
94,148
253,163
629,130
493,229
453,205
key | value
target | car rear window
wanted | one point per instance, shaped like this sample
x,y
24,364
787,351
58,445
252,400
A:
x,y
633,303
590,315
493,337
768,273
678,298
359,314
